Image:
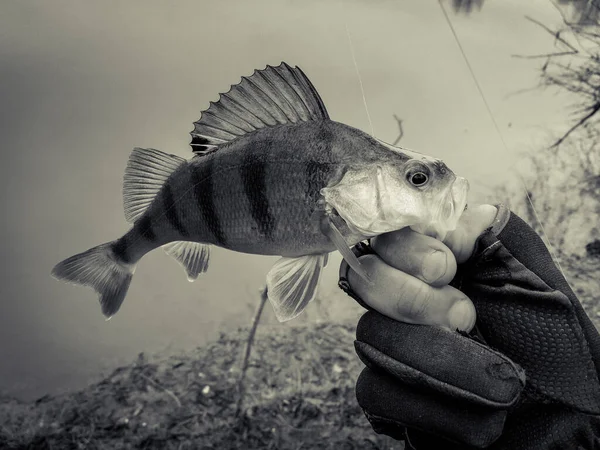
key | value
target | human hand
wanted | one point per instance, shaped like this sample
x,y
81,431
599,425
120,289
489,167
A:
x,y
411,273
533,386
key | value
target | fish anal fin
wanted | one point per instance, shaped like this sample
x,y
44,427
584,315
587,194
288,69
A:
x,y
193,256
145,174
292,284
269,97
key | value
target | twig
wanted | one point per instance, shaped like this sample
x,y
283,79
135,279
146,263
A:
x,y
167,391
400,128
547,55
556,34
582,15
579,123
241,386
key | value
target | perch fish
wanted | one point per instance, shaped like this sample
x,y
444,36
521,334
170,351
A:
x,y
271,175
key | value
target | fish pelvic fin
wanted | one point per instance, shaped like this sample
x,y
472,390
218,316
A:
x,y
145,174
269,97
193,256
292,284
102,270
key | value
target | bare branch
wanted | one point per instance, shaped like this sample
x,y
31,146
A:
x,y
579,74
547,55
556,34
241,385
579,123
400,128
585,14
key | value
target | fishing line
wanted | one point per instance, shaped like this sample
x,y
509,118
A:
x,y
524,184
362,89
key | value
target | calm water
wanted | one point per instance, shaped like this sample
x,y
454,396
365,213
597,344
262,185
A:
x,y
82,83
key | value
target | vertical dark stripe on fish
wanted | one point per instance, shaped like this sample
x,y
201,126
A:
x,y
145,227
202,180
119,249
254,175
316,175
171,210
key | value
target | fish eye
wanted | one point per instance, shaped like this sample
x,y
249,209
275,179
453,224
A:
x,y
417,178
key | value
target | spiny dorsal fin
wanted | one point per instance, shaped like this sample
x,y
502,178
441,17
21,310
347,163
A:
x,y
146,172
269,97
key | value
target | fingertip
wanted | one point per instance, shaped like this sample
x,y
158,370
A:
x,y
438,268
416,254
473,223
462,315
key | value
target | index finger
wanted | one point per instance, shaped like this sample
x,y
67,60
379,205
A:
x,y
416,254
403,297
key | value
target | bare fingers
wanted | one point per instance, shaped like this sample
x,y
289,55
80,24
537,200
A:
x,y
418,255
472,223
404,297
411,273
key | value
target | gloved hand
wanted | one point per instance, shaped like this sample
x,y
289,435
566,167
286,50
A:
x,y
525,377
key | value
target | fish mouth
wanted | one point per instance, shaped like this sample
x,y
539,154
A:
x,y
452,207
457,202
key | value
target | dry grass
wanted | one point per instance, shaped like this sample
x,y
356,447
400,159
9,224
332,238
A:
x,y
300,395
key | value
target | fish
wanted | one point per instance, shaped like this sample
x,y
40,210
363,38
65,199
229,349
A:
x,y
270,174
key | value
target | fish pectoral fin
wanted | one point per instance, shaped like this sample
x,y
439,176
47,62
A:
x,y
333,233
193,256
292,284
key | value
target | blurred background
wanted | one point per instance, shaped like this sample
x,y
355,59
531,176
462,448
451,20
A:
x,y
83,83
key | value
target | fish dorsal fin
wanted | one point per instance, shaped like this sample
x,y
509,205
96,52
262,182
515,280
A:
x,y
269,97
146,172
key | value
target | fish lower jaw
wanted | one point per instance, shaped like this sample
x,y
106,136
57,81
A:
x,y
374,229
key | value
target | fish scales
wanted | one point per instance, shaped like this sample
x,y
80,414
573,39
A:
x,y
173,212
204,192
182,209
272,175
257,199
267,188
233,209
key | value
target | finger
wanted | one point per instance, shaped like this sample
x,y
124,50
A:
x,y
403,297
416,254
472,223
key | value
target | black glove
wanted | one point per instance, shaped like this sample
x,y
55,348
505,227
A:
x,y
526,378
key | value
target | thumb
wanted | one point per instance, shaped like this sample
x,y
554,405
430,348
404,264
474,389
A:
x,y
472,223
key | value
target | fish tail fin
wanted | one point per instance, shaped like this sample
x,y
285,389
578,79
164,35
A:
x,y
101,269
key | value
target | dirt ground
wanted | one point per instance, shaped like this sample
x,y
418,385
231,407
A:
x,y
300,394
